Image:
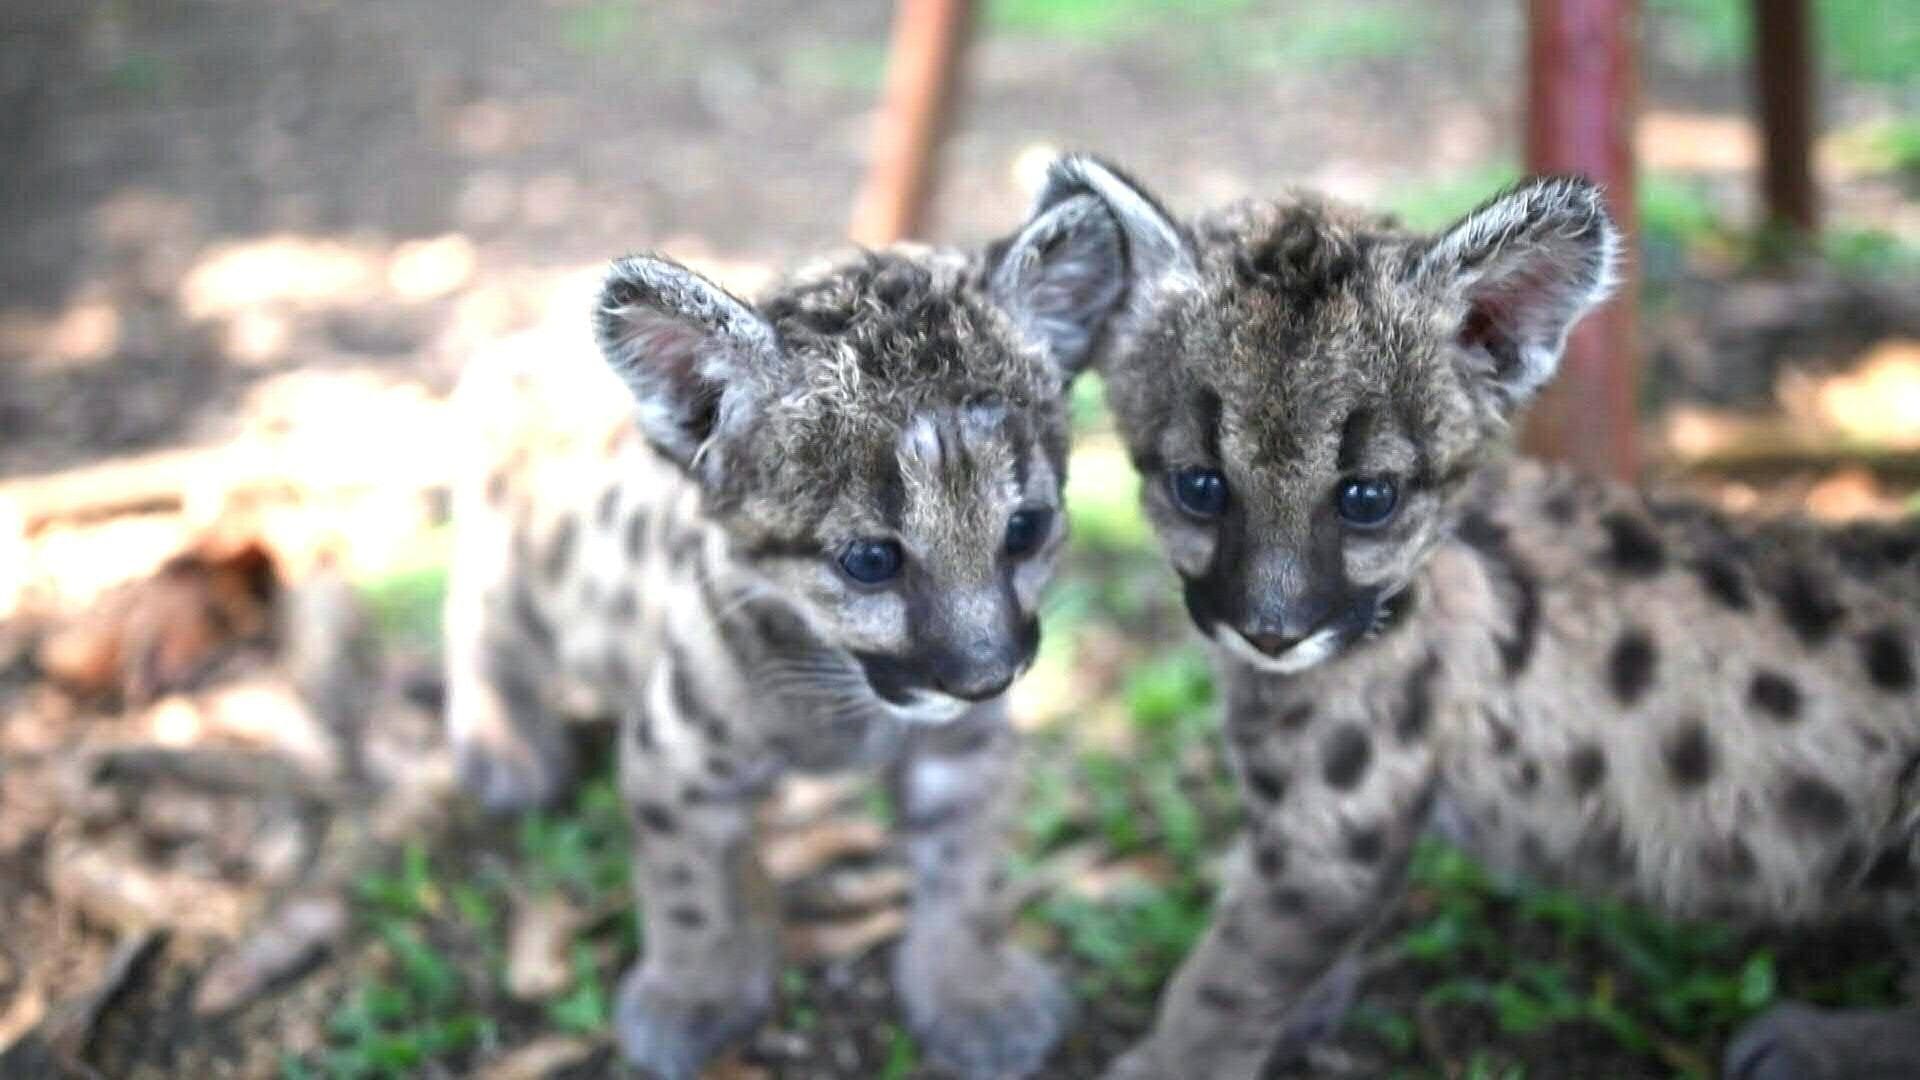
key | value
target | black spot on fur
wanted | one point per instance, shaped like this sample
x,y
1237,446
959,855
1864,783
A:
x,y
1848,867
608,507
1815,805
641,722
686,916
1586,767
624,607
1630,666
1560,507
720,768
656,818
1219,996
1416,706
636,534
1266,784
1775,695
1366,845
1730,859
560,549
1270,858
1722,580
1807,607
1289,902
1526,778
1689,755
1632,547
619,673
1908,770
1345,756
1883,652
1605,851
1505,742
677,876
1892,869
1296,716
533,625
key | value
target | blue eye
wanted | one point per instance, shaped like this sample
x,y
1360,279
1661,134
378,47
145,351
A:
x,y
1025,530
1365,501
1200,491
871,562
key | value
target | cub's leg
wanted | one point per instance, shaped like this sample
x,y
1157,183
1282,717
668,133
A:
x,y
511,747
1333,811
1799,1042
708,913
980,1006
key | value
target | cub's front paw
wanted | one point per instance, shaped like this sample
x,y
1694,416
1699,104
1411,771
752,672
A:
x,y
514,774
996,1016
670,1035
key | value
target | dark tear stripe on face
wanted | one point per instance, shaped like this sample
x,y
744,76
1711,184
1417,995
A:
x,y
1019,434
783,547
1210,414
890,491
1353,433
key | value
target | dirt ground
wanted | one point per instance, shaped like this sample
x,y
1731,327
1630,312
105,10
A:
x,y
246,246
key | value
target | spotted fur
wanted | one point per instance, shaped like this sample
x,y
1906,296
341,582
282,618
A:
x,y
1581,681
687,569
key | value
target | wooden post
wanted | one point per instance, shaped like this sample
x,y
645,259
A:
x,y
923,62
1784,88
1582,91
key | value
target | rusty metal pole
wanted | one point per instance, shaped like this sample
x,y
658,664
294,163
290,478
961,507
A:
x,y
1784,87
1582,91
923,63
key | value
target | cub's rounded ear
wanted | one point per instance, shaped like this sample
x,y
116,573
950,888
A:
x,y
1059,278
1159,255
687,349
1526,266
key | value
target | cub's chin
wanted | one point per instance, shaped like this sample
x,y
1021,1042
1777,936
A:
x,y
929,707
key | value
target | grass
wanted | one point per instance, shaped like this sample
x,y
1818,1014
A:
x,y
1101,20
433,993
847,66
405,596
1233,40
600,28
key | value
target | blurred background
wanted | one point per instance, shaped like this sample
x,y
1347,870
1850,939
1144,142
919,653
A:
x,y
246,247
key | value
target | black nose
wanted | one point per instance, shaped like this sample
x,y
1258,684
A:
x,y
977,685
1271,644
